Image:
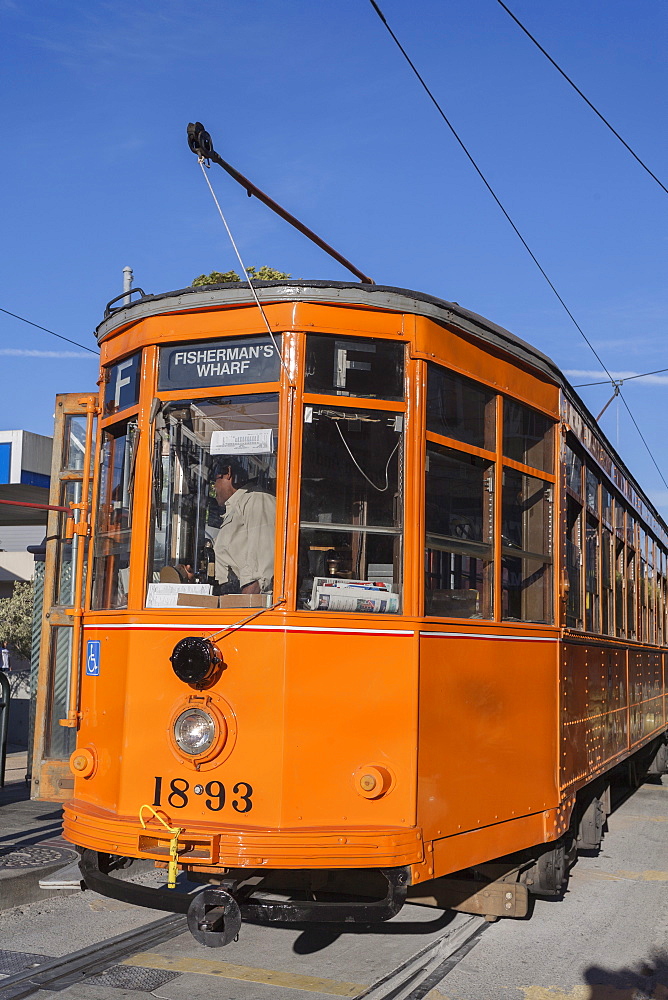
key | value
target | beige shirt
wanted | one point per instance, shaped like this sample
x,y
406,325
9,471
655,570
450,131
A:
x,y
245,540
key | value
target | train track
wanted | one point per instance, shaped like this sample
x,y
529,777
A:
x,y
59,973
412,979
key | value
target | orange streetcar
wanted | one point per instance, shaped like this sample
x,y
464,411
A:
x,y
356,596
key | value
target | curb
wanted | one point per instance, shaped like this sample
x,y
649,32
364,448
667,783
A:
x,y
25,887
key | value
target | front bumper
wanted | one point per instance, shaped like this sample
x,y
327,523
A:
x,y
260,909
234,847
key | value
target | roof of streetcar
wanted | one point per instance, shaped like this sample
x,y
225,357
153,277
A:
x,y
383,297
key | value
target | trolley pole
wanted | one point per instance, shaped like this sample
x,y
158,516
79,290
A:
x,y
200,143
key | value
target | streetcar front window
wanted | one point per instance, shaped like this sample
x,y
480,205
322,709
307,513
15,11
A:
x,y
214,502
114,517
354,366
351,510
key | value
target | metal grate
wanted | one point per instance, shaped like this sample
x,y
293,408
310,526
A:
x,y
35,857
132,977
17,961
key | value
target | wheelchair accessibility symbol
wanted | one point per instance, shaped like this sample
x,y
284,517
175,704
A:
x,y
93,658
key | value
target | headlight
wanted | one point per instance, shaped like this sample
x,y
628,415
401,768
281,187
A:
x,y
194,731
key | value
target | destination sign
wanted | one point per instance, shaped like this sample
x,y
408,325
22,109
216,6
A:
x,y
235,361
122,384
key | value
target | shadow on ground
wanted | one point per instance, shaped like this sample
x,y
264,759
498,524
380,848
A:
x,y
648,979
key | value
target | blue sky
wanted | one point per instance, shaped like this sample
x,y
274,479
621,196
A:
x,y
312,101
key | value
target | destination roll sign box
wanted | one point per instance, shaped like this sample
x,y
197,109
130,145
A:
x,y
235,361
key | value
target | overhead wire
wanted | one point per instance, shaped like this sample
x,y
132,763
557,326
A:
x,y
46,330
489,187
510,221
583,96
619,381
642,438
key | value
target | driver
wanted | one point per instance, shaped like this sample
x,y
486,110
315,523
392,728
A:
x,y
244,546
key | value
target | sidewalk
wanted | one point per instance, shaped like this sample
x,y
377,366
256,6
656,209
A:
x,y
30,838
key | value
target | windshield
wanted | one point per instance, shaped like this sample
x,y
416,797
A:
x,y
214,502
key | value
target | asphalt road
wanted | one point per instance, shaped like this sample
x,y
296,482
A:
x,y
606,940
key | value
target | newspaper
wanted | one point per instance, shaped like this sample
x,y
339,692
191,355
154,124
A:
x,y
350,600
366,596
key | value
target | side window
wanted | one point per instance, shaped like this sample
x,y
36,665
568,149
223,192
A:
x,y
459,516
526,546
607,583
350,543
114,516
592,576
573,563
460,409
527,436
573,471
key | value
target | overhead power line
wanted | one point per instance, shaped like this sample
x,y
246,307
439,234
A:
x,y
490,189
584,98
619,381
512,224
46,330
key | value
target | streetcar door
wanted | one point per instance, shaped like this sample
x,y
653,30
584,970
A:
x,y
56,697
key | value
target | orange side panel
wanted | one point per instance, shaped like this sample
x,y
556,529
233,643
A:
x,y
645,694
434,343
488,731
594,723
612,703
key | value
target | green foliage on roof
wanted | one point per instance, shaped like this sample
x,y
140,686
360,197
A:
x,y
263,273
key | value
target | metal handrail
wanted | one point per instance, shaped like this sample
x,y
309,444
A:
x,y
4,724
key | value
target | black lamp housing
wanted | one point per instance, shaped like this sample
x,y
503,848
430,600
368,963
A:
x,y
196,661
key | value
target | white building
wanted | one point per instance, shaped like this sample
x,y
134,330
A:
x,y
25,468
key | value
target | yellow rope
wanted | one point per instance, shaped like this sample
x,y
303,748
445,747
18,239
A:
x,y
172,867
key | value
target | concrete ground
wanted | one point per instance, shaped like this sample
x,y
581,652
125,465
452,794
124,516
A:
x,y
30,837
606,940
266,961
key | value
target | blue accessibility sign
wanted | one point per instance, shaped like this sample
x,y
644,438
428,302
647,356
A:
x,y
93,658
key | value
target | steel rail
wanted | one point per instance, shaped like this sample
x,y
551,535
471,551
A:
x,y
59,973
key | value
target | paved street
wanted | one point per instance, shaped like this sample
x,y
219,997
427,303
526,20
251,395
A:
x,y
608,938
605,941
